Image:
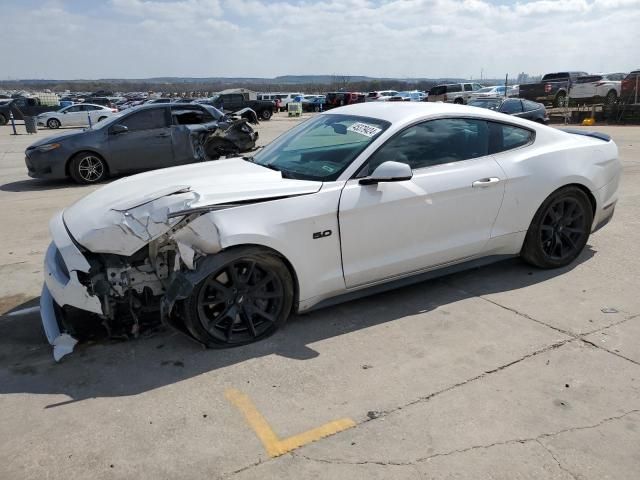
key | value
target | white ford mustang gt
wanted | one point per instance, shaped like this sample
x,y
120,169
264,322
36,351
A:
x,y
351,201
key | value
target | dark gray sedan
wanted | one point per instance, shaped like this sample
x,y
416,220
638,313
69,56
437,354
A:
x,y
142,138
517,107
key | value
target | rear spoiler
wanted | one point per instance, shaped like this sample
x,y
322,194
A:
x,y
600,136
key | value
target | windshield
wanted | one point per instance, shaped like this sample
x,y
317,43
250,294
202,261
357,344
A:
x,y
320,148
485,90
490,104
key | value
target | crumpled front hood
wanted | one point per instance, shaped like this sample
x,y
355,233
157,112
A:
x,y
127,214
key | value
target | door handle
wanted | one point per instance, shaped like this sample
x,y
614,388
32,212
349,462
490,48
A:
x,y
485,182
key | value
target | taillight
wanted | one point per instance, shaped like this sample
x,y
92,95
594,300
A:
x,y
547,87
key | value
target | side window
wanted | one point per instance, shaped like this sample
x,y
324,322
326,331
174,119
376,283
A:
x,y
477,86
511,106
504,137
529,105
454,88
433,143
468,87
73,109
146,119
190,115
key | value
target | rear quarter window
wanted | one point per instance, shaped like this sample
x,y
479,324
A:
x,y
503,137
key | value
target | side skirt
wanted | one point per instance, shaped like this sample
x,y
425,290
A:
x,y
406,281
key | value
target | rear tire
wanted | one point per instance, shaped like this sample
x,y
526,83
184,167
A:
x,y
458,101
101,118
611,98
53,123
87,168
266,114
559,230
3,120
246,298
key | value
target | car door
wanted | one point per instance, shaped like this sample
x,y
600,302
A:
x,y
443,214
71,117
146,144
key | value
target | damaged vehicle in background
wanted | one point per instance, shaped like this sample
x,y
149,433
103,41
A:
x,y
349,202
142,138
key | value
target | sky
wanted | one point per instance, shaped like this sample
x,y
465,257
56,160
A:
x,y
90,39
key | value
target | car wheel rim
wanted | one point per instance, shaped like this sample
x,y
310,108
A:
x,y
240,302
90,169
563,229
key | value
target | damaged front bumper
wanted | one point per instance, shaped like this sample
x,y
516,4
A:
x,y
62,263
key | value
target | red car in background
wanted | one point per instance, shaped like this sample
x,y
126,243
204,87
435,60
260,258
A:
x,y
339,99
629,89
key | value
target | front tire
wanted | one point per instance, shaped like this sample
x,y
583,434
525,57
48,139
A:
x,y
458,101
559,230
611,98
246,298
3,120
53,123
87,168
561,100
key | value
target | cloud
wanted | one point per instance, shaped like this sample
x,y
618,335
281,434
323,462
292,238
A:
x,y
405,38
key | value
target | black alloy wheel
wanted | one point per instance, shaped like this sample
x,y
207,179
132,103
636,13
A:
x,y
244,300
559,230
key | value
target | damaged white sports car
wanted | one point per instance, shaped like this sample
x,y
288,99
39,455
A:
x,y
351,201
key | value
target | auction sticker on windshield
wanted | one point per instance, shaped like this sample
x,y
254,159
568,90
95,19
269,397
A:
x,y
364,129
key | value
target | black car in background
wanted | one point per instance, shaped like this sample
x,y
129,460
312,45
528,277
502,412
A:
x,y
517,107
141,138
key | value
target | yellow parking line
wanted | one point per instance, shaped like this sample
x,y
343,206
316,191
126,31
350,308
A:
x,y
272,444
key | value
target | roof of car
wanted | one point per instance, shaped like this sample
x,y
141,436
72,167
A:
x,y
402,112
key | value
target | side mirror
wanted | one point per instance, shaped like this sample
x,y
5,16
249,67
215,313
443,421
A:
x,y
388,172
118,129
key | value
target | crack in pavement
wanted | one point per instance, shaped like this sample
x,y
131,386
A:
x,y
382,414
475,447
560,466
576,336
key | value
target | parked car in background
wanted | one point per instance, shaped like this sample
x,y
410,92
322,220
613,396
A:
x,y
226,251
158,100
77,115
339,99
552,89
413,96
104,101
22,107
453,92
517,107
630,88
603,87
285,99
380,95
234,101
313,103
495,91
141,138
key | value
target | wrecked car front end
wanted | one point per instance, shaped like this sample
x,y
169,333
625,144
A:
x,y
116,253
